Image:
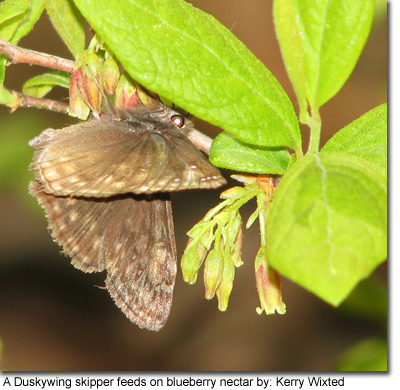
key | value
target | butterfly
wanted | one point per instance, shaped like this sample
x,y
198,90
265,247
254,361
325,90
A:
x,y
105,184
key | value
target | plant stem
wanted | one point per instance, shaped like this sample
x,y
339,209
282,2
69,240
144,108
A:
x,y
17,55
200,140
30,101
252,191
261,217
314,122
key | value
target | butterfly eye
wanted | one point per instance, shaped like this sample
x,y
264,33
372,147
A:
x,y
177,120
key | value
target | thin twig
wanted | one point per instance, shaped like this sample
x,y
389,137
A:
x,y
200,140
30,101
18,55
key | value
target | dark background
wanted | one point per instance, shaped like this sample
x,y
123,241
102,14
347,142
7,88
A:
x,y
53,317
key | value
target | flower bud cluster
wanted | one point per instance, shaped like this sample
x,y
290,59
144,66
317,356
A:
x,y
96,84
217,239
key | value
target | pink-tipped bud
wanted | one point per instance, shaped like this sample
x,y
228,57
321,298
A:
x,y
92,81
77,105
129,94
268,285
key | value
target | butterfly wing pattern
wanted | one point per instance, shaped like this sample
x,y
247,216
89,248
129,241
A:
x,y
106,157
104,185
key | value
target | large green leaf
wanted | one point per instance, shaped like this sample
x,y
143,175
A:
x,y
68,23
366,137
187,56
326,228
321,41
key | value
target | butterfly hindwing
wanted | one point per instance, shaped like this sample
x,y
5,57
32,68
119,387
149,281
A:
x,y
141,269
76,225
131,237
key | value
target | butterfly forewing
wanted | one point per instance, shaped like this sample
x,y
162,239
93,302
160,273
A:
x,y
106,157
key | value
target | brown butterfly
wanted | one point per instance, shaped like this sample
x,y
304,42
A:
x,y
105,184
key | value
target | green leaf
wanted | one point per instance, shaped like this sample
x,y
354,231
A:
x,y
228,152
26,14
68,23
15,154
368,355
188,57
40,85
5,96
326,227
11,8
321,41
366,138
17,19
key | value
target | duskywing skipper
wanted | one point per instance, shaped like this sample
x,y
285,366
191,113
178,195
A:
x,y
105,184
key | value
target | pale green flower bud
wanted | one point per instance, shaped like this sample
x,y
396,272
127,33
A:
x,y
213,270
226,285
111,75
